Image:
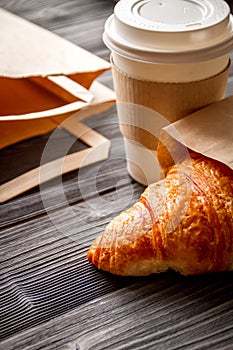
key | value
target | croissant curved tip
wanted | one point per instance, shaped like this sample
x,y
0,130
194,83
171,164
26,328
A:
x,y
92,255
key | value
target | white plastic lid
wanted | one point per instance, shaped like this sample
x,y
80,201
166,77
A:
x,y
170,31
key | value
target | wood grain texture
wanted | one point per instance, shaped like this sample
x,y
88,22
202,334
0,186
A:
x,y
50,296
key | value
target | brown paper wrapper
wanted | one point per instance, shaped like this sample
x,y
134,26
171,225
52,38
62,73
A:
x,y
208,131
172,100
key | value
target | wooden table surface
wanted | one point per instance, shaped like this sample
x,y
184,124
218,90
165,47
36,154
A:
x,y
50,296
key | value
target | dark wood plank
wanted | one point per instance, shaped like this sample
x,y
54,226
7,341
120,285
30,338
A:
x,y
160,312
38,261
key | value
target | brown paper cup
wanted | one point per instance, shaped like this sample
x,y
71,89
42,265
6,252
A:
x,y
145,107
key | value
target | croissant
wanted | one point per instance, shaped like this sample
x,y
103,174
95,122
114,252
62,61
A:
x,y
183,222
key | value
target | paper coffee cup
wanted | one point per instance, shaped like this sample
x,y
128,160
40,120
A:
x,y
171,57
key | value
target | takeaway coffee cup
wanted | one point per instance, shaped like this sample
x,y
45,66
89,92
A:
x,y
169,58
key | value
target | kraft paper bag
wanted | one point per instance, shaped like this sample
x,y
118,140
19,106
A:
x,y
43,79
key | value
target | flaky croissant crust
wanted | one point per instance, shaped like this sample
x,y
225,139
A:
x,y
183,222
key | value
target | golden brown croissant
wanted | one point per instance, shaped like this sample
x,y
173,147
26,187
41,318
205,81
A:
x,y
183,222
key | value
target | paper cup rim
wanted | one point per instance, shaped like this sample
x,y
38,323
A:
x,y
130,50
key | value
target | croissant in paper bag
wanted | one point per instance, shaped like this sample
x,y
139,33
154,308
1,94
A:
x,y
183,222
